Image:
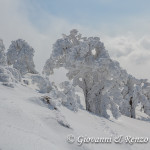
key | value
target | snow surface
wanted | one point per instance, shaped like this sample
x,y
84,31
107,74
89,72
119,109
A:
x,y
27,123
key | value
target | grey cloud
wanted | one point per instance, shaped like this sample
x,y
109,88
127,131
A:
x,y
145,43
131,51
140,59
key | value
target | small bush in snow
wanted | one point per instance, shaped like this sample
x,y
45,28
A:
x,y
70,99
40,83
66,97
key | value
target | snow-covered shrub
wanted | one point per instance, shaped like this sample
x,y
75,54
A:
x,y
16,74
134,92
5,75
37,82
25,81
145,97
3,60
54,98
62,120
70,99
103,100
20,55
43,83
9,76
54,102
66,96
130,96
51,103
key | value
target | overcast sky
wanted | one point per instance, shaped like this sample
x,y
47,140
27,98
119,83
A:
x,y
123,26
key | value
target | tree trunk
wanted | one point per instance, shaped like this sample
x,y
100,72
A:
x,y
132,110
85,90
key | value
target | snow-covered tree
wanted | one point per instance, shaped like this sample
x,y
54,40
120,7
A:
x,y
89,66
3,60
104,83
20,55
8,75
135,91
145,96
131,93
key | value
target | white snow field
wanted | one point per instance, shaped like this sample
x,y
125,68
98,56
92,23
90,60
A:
x,y
27,123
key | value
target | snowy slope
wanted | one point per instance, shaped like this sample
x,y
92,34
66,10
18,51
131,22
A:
x,y
26,123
